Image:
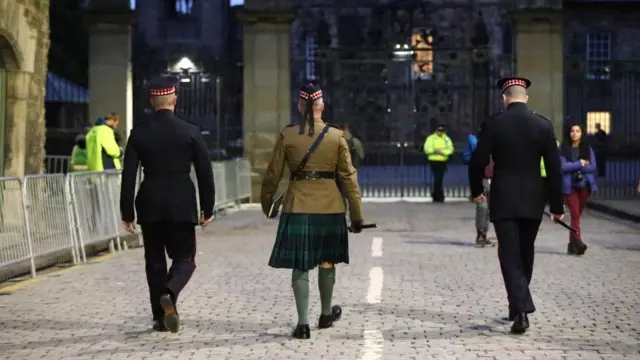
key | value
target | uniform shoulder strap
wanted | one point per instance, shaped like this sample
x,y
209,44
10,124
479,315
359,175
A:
x,y
312,148
334,126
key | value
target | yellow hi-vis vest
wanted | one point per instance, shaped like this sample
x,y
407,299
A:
x,y
442,143
543,171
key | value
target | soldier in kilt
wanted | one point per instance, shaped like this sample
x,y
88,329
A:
x,y
313,227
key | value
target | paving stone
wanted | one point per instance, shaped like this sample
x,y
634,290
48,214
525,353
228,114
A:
x,y
441,298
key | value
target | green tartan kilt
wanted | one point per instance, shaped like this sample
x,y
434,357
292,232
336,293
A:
x,y
307,240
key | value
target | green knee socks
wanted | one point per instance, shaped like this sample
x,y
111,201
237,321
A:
x,y
300,282
326,279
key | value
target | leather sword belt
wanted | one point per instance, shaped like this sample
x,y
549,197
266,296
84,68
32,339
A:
x,y
314,175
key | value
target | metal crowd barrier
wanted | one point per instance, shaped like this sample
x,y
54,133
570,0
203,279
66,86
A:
x,y
47,217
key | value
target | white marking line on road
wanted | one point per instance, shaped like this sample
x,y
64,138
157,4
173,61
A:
x,y
376,247
373,339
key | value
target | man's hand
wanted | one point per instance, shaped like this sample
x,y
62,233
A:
x,y
204,222
437,151
356,226
557,217
585,162
130,226
480,198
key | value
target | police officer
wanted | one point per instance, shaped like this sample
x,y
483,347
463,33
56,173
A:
x,y
166,147
438,147
516,139
313,229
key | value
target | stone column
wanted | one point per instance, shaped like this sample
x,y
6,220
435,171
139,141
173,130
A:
x,y
110,77
16,124
267,83
539,57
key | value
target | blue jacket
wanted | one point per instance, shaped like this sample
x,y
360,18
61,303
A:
x,y
571,167
472,143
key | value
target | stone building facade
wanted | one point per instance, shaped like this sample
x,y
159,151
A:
x,y
24,46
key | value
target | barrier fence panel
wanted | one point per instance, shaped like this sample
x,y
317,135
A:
x,y
56,164
14,245
48,215
56,213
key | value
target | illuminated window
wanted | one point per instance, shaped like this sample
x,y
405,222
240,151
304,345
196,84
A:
x,y
598,56
598,117
422,44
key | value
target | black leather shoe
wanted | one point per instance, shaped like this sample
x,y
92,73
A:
x,y
302,332
572,248
581,247
171,318
520,324
326,321
159,326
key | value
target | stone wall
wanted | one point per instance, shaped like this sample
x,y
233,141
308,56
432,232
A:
x,y
25,24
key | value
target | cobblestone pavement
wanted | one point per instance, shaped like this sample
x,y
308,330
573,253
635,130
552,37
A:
x,y
419,290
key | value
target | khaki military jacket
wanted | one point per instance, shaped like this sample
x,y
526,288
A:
x,y
313,196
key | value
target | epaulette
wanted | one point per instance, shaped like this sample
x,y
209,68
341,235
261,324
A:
x,y
535,113
334,126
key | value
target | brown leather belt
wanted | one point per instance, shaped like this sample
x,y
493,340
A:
x,y
313,175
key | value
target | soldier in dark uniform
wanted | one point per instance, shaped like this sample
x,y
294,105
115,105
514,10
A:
x,y
166,147
313,229
516,139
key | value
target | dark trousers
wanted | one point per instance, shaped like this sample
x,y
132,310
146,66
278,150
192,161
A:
x,y
438,168
179,242
516,238
601,163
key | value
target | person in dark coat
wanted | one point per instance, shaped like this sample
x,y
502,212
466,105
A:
x,y
516,139
166,148
313,230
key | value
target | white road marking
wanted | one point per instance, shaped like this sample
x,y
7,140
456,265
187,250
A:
x,y
376,247
373,339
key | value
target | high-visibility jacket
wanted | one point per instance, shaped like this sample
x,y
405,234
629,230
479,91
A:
x,y
543,171
103,152
78,159
438,142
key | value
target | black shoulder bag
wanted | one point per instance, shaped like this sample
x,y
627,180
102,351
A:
x,y
277,201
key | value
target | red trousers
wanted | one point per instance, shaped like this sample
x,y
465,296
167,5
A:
x,y
576,203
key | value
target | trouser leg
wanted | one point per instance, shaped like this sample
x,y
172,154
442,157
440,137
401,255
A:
x,y
513,271
438,169
155,265
181,248
528,234
573,203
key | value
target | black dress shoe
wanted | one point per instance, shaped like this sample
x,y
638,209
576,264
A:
x,y
520,324
171,318
572,249
326,321
302,332
581,247
158,325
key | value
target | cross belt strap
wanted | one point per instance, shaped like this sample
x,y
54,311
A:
x,y
312,148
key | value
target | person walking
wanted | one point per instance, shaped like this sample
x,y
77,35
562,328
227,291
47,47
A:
x,y
166,147
312,230
516,139
355,146
438,147
78,160
482,207
579,169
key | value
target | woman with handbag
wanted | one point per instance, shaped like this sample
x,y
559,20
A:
x,y
312,230
579,181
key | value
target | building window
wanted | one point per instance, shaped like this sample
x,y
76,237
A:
x,y
180,7
598,117
310,47
422,46
598,55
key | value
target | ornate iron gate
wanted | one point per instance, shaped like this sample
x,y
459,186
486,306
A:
x,y
392,72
